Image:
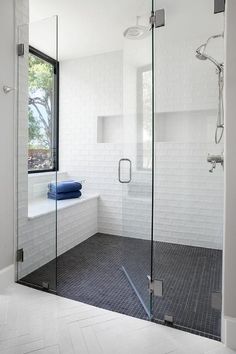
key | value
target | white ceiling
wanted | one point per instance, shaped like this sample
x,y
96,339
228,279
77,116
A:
x,y
88,27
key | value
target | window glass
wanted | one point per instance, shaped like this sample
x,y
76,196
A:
x,y
144,115
42,115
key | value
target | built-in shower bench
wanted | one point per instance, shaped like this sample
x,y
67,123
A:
x,y
43,206
52,233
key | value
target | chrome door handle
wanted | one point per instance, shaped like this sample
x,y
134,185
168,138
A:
x,y
130,171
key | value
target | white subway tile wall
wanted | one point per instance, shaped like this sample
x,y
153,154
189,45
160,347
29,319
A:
x,y
188,199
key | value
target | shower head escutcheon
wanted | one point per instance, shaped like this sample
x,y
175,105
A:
x,y
137,31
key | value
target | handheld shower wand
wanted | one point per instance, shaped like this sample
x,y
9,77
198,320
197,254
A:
x,y
202,55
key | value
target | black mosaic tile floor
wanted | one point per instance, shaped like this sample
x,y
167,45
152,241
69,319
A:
x,y
92,273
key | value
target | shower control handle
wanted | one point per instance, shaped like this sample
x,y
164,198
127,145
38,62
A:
x,y
214,160
130,170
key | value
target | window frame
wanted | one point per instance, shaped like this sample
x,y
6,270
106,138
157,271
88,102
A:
x,y
140,118
56,67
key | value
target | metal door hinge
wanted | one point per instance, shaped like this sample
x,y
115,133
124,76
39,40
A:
x,y
20,50
219,6
20,255
169,320
157,18
45,285
155,287
216,300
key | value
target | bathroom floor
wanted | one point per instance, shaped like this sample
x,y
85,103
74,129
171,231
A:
x,y
36,322
92,273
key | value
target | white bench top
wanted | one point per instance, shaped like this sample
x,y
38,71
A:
x,y
43,206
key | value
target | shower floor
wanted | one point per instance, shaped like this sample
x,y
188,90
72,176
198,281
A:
x,y
92,273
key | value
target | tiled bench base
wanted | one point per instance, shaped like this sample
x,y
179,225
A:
x,y
48,233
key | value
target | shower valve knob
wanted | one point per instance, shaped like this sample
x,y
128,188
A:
x,y
214,160
212,167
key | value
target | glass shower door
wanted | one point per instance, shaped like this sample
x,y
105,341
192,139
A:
x,y
135,168
37,152
188,232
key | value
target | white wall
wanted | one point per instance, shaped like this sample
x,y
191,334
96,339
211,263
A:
x,y
12,14
188,199
7,65
229,302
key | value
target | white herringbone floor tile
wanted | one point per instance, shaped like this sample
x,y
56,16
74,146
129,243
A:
x,y
35,322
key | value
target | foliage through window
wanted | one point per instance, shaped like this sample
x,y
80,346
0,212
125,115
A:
x,y
42,112
144,109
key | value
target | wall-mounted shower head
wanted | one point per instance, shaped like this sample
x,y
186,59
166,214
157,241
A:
x,y
202,55
137,31
200,52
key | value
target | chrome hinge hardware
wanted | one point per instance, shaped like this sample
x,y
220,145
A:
x,y
45,285
219,6
20,50
157,18
152,19
155,286
216,300
20,255
168,319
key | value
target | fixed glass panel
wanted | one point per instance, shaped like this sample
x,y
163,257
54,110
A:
x,y
137,147
37,152
188,213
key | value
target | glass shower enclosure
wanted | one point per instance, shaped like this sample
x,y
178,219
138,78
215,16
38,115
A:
x,y
145,238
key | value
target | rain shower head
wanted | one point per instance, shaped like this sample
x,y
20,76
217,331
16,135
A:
x,y
136,32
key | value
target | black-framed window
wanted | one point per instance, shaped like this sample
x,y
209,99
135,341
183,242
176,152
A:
x,y
144,117
43,112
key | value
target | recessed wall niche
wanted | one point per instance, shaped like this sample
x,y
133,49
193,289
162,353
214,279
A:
x,y
109,129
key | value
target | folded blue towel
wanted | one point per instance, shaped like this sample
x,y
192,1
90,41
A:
x,y
63,196
64,186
